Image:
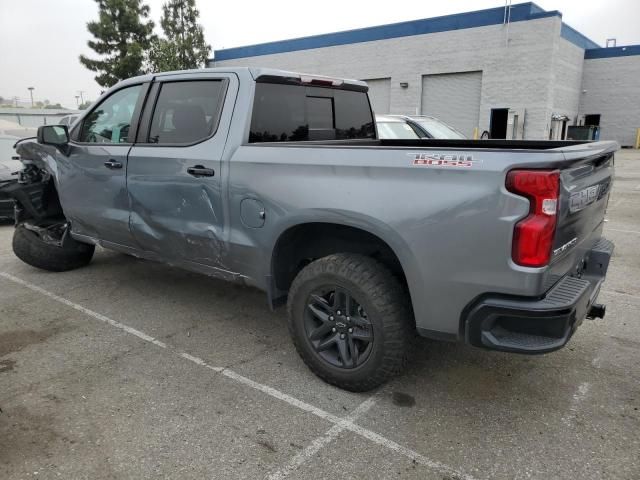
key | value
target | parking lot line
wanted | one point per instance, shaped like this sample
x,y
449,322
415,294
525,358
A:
x,y
621,294
578,398
345,423
623,231
316,445
86,311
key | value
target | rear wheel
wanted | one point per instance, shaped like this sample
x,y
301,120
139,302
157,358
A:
x,y
49,247
350,321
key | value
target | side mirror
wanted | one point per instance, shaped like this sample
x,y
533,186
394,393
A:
x,y
56,135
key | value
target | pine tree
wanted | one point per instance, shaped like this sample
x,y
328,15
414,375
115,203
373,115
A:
x,y
184,46
121,38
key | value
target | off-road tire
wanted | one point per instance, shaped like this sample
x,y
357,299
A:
x,y
29,248
388,308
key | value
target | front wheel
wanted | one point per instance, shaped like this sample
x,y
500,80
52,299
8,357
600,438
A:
x,y
350,321
48,247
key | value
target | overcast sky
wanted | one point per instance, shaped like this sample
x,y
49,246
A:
x,y
40,40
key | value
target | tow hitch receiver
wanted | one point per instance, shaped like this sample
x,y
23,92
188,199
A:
x,y
597,310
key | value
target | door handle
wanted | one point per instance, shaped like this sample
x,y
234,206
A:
x,y
112,164
200,171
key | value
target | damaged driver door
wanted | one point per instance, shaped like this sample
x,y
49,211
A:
x,y
92,175
174,176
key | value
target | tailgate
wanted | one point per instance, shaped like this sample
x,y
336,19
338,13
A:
x,y
585,183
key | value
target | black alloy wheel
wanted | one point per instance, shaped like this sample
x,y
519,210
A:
x,y
337,327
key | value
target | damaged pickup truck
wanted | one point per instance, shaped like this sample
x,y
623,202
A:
x,y
278,180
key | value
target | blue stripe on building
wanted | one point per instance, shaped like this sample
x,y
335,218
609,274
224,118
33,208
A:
x,y
612,52
481,18
575,37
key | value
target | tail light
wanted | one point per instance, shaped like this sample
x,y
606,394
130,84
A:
x,y
533,235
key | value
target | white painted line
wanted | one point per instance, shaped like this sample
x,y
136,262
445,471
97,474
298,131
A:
x,y
621,294
282,396
316,445
578,397
415,456
84,310
345,423
597,361
199,361
622,231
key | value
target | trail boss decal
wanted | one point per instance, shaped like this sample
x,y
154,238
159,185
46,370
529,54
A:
x,y
584,198
442,160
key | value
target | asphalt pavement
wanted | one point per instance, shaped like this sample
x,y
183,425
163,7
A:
x,y
132,369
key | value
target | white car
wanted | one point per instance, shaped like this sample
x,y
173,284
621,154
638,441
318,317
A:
x,y
417,126
395,127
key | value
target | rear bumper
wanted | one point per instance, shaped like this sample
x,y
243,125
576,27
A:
x,y
539,325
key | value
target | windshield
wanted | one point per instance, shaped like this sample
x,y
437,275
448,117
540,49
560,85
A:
x,y
438,129
396,130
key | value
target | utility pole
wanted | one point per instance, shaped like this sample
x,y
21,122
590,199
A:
x,y
15,102
81,93
31,89
77,100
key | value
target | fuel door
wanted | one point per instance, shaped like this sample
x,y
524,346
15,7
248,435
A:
x,y
252,213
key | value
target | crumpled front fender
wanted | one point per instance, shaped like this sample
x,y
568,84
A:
x,y
42,156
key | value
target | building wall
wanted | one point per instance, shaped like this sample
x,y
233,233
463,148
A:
x,y
566,80
515,64
613,90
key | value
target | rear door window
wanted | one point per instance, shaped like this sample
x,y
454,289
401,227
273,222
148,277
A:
x,y
286,113
186,112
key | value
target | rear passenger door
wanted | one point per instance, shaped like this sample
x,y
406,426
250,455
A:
x,y
175,173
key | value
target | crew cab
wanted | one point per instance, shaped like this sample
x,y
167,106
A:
x,y
278,180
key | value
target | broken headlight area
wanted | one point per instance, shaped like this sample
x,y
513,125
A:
x,y
34,196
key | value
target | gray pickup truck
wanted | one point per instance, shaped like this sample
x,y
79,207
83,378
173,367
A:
x,y
278,180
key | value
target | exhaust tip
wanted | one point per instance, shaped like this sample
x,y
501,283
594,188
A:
x,y
597,310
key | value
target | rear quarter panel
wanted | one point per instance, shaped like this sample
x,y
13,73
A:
x,y
451,227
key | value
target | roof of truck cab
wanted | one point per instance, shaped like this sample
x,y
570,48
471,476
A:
x,y
256,72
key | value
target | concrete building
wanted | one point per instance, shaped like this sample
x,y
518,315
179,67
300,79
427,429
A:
x,y
516,72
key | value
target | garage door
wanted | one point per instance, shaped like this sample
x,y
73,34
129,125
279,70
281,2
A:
x,y
454,98
380,94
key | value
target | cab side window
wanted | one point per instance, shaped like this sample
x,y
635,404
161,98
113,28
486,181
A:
x,y
186,112
110,121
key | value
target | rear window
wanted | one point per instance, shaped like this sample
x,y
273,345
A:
x,y
288,113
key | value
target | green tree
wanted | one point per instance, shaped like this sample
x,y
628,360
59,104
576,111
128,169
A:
x,y
84,106
122,35
184,45
163,56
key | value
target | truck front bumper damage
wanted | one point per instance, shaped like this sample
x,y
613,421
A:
x,y
540,325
